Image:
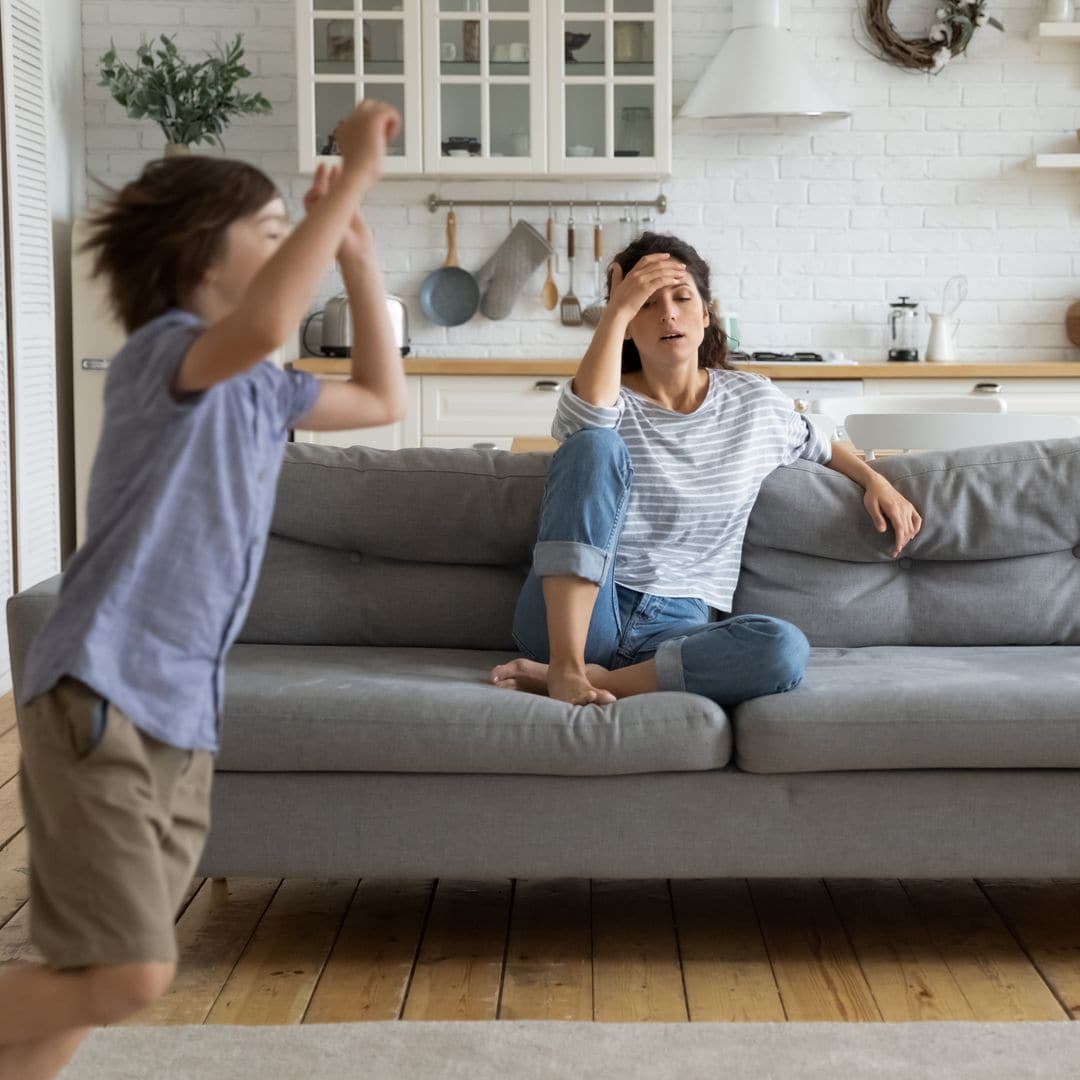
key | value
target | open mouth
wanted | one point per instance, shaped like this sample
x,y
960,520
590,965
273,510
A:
x,y
673,337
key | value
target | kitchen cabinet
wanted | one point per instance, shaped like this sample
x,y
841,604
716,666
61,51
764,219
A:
x,y
494,87
406,432
347,50
1022,395
488,405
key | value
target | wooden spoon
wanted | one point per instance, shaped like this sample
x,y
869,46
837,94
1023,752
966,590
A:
x,y
549,294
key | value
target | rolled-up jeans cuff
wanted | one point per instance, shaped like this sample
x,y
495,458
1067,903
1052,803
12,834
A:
x,y
569,557
669,667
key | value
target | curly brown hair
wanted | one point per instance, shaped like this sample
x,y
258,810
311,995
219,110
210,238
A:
x,y
713,351
155,237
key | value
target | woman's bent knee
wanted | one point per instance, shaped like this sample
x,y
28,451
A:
x,y
594,443
782,648
117,992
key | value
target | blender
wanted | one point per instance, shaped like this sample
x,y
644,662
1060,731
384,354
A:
x,y
903,324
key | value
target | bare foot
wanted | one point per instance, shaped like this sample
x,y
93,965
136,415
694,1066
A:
x,y
521,674
573,685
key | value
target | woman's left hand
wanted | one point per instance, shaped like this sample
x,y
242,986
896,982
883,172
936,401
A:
x,y
886,505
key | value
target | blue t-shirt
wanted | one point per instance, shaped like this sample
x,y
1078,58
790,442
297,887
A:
x,y
180,500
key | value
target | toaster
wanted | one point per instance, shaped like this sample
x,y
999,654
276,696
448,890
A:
x,y
337,327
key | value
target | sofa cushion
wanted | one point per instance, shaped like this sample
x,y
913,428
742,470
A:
x,y
338,708
916,708
997,561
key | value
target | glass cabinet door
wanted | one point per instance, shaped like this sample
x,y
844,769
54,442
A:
x,y
610,87
483,87
354,49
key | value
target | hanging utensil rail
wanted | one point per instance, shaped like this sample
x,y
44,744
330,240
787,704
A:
x,y
660,202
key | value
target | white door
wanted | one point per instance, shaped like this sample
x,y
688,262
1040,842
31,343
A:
x,y
95,337
30,289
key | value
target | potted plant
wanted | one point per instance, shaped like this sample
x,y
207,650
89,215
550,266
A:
x,y
190,102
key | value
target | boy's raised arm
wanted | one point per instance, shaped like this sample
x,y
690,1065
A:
x,y
280,293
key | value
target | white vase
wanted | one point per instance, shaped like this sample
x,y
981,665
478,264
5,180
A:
x,y
942,344
176,149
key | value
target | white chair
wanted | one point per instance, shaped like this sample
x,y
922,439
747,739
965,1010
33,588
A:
x,y
828,414
950,431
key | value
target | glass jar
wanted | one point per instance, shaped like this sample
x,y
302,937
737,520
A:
x,y
1057,10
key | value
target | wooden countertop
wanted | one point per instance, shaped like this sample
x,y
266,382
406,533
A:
x,y
416,365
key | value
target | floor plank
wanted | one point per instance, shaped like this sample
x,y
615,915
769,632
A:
x,y
725,963
14,877
277,972
548,972
994,973
1045,918
211,935
459,967
636,972
15,944
816,971
11,817
368,972
9,754
904,969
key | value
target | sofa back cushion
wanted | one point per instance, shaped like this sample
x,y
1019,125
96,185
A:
x,y
429,547
421,547
997,561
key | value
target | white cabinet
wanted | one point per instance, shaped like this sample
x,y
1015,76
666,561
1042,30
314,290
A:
x,y
486,411
494,87
1054,396
347,50
405,432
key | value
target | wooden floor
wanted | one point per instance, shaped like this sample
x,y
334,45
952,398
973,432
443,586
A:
x,y
295,951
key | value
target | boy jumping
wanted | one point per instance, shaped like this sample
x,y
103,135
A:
x,y
122,693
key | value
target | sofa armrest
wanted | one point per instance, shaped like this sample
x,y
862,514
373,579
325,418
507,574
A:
x,y
26,614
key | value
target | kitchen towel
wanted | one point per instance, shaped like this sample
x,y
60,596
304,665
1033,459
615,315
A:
x,y
503,276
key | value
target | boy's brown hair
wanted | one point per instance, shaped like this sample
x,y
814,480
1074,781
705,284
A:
x,y
155,237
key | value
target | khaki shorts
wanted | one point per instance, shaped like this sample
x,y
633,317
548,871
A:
x,y
116,822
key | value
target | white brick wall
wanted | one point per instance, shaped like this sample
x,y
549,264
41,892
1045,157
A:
x,y
810,226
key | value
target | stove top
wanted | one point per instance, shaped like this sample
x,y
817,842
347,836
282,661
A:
x,y
765,356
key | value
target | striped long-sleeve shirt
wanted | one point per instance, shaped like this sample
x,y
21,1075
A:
x,y
696,476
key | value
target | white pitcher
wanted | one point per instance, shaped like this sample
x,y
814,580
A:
x,y
942,344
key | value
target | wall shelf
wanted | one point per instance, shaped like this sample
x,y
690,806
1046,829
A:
x,y
1057,161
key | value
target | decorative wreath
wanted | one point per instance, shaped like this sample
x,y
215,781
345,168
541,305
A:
x,y
957,21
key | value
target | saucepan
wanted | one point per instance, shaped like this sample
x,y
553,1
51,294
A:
x,y
449,296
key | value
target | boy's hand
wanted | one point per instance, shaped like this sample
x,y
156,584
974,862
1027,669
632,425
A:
x,y
357,243
363,136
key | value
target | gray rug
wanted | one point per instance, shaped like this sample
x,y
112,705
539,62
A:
x,y
526,1050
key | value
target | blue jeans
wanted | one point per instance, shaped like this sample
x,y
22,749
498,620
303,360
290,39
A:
x,y
581,517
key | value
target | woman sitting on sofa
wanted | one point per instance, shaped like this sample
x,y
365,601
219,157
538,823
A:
x,y
664,446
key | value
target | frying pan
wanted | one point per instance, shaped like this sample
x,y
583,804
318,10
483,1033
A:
x,y
449,295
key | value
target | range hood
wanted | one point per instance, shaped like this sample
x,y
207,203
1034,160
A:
x,y
759,70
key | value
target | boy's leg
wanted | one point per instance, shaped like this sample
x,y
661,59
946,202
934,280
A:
x,y
562,618
116,822
41,1060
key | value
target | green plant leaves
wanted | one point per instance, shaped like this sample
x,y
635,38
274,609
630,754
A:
x,y
191,102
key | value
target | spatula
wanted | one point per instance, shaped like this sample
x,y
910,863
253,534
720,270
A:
x,y
570,308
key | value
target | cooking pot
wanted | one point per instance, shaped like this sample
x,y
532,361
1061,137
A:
x,y
337,328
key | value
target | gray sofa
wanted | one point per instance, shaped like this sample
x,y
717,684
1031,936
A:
x,y
936,733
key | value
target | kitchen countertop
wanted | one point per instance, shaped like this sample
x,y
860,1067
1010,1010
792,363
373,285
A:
x,y
417,365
